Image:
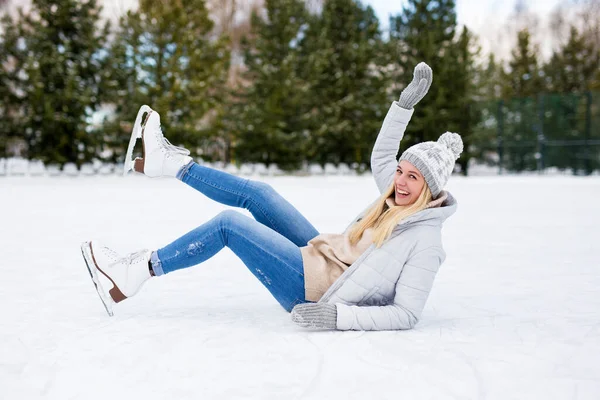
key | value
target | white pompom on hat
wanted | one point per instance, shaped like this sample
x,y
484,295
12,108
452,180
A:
x,y
435,160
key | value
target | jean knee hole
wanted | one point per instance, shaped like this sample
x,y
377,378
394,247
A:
x,y
195,248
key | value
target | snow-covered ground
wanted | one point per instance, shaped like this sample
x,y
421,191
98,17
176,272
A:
x,y
514,312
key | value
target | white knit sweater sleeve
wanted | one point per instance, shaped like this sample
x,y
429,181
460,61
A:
x,y
383,157
412,291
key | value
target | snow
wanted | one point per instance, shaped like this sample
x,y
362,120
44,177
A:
x,y
514,312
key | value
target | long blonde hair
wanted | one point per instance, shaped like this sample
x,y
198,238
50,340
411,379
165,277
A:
x,y
383,219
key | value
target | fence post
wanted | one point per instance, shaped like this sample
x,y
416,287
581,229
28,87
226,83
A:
x,y
588,125
500,133
540,134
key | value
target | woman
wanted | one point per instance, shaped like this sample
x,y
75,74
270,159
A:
x,y
375,276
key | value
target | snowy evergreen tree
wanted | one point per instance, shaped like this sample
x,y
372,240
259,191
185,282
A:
x,y
165,56
462,74
342,63
522,87
573,67
10,103
523,78
268,114
489,79
488,91
51,58
425,31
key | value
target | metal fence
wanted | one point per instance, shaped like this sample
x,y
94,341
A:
x,y
550,130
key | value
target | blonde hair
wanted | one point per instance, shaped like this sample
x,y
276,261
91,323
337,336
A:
x,y
383,219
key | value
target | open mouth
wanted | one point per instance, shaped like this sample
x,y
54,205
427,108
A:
x,y
402,193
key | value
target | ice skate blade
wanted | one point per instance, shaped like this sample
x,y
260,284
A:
x,y
107,302
136,134
128,164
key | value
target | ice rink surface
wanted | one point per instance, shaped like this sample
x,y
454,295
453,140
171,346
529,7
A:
x,y
514,312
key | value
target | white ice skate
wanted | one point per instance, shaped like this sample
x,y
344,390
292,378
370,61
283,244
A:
x,y
115,277
160,157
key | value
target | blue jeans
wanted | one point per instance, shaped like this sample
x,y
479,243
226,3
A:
x,y
269,244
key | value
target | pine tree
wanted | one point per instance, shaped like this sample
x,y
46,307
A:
x,y
269,112
233,19
343,65
166,56
573,67
524,76
462,72
425,31
122,90
10,103
488,91
522,86
595,84
489,79
51,60
570,72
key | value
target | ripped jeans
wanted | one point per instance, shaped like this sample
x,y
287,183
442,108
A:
x,y
269,245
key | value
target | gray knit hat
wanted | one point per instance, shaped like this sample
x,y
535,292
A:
x,y
435,160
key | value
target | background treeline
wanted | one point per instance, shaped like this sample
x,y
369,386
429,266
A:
x,y
290,82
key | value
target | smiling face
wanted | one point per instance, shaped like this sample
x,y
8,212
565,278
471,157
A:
x,y
408,183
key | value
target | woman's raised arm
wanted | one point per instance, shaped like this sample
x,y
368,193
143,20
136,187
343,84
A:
x,y
383,157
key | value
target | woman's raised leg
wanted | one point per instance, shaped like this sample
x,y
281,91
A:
x,y
161,158
264,203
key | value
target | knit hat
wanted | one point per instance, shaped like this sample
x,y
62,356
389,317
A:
x,y
435,160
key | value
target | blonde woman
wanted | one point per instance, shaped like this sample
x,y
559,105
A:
x,y
375,276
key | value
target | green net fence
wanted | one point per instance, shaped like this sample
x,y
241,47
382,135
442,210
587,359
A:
x,y
528,134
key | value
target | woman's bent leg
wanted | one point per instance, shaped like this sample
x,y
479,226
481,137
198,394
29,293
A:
x,y
272,258
266,205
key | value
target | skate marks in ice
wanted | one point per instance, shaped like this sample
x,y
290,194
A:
x,y
88,257
136,134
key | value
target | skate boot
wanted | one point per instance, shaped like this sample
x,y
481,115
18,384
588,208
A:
x,y
115,277
160,157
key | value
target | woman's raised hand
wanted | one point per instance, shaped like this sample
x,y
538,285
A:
x,y
417,89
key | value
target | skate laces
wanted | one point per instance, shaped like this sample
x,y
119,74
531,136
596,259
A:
x,y
111,253
165,142
132,257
